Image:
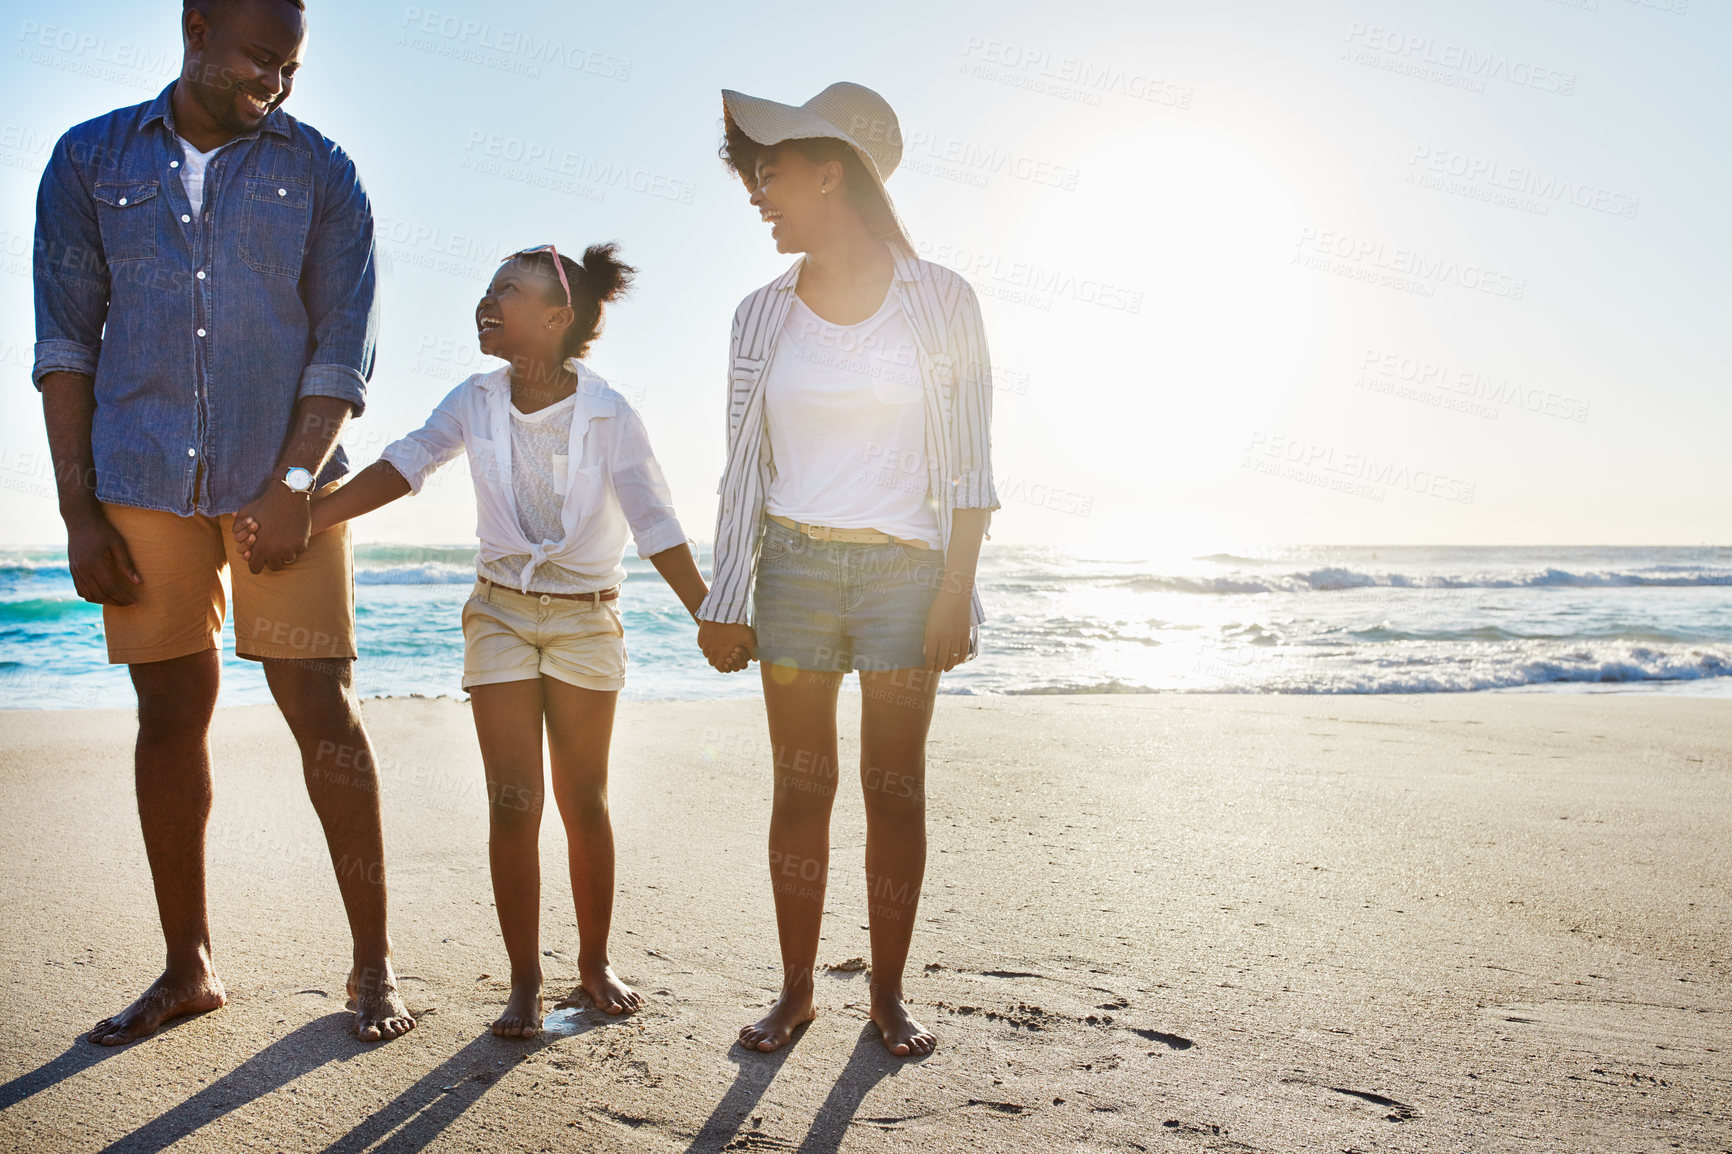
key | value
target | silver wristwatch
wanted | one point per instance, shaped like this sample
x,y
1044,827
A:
x,y
298,480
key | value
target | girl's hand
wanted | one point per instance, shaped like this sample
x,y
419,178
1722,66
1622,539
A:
x,y
947,628
246,532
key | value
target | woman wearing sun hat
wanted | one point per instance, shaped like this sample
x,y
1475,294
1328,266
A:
x,y
857,492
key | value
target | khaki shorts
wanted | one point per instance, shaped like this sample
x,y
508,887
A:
x,y
302,611
512,636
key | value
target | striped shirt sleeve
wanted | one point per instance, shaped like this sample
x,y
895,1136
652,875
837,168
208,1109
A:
x,y
971,416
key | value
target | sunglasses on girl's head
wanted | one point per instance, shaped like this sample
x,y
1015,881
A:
x,y
558,266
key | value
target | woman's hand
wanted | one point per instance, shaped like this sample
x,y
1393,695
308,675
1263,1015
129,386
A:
x,y
947,627
728,648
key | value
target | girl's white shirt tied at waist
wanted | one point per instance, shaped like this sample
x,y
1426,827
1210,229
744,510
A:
x,y
614,486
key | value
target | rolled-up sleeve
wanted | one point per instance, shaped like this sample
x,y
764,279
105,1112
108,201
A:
x,y
70,272
641,488
420,454
971,424
338,286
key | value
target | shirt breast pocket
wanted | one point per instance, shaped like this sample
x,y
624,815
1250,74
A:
x,y
275,218
126,217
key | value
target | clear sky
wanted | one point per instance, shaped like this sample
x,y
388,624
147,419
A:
x,y
1429,271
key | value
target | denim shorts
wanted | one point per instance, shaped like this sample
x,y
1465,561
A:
x,y
830,606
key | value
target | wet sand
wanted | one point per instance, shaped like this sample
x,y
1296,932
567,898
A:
x,y
1486,922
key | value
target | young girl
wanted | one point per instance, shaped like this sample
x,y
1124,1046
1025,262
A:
x,y
562,470
857,492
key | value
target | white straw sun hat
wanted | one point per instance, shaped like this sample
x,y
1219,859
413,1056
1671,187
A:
x,y
851,113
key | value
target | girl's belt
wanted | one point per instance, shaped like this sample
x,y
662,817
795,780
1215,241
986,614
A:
x,y
604,595
844,536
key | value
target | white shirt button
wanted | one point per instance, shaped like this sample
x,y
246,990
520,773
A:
x,y
201,332
123,202
184,219
282,192
174,164
192,452
201,274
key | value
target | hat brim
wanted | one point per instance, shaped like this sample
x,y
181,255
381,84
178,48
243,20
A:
x,y
770,122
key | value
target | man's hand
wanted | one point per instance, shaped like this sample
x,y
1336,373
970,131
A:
x,y
283,523
947,626
101,564
728,648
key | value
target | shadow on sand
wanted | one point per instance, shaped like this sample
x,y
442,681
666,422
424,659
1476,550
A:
x,y
867,1066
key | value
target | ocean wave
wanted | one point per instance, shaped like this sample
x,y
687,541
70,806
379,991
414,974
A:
x,y
1334,579
37,610
423,573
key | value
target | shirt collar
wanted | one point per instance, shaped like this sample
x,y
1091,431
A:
x,y
905,267
595,398
276,122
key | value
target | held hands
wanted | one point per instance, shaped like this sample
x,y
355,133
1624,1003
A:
x,y
274,529
728,648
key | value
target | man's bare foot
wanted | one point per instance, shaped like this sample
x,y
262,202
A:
x,y
902,1035
380,1014
610,994
776,1028
170,996
522,1016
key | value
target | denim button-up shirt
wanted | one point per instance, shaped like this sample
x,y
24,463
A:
x,y
202,331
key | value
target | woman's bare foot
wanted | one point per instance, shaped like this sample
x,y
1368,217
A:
x,y
603,985
522,1016
171,996
380,1014
902,1035
776,1028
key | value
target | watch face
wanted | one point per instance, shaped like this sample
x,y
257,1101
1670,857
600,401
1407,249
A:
x,y
298,479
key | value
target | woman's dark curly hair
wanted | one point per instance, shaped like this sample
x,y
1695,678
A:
x,y
742,155
601,278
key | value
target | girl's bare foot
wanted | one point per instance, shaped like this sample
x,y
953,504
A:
x,y
603,985
522,1016
902,1035
380,1014
776,1028
172,995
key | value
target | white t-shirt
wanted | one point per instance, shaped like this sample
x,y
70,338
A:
x,y
193,164
848,426
540,460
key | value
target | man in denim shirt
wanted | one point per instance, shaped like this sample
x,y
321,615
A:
x,y
205,324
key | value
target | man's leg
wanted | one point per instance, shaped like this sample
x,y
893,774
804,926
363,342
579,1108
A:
x,y
171,771
318,700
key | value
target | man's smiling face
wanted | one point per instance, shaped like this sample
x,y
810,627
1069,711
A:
x,y
241,58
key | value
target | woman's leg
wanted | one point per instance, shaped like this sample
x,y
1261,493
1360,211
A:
x,y
579,731
895,712
508,722
802,713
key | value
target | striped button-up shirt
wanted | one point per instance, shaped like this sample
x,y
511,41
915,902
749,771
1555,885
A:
x,y
956,378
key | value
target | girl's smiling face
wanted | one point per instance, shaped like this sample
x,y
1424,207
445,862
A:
x,y
522,315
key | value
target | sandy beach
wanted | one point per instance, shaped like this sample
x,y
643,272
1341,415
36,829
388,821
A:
x,y
1450,923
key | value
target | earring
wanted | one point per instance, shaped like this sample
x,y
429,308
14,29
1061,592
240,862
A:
x,y
823,192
